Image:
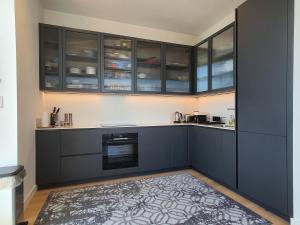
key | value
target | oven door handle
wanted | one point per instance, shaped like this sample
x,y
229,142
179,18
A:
x,y
118,142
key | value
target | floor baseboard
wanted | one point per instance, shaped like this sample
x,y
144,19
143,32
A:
x,y
29,196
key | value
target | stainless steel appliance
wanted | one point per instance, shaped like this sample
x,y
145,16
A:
x,y
178,117
120,151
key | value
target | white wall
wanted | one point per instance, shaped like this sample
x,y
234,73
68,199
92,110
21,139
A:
x,y
215,28
217,105
107,26
8,114
29,96
93,109
8,85
296,120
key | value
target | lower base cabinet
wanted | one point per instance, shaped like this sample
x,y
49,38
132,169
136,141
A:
x,y
81,167
262,169
47,157
213,152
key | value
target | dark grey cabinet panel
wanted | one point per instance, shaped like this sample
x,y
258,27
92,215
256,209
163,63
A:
x,y
213,152
81,167
229,158
76,142
154,150
262,66
262,169
47,157
179,146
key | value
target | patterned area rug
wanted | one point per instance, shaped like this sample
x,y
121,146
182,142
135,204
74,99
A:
x,y
178,199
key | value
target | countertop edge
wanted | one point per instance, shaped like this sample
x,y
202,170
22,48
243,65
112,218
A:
x,y
137,126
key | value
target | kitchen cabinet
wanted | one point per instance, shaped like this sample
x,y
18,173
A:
x,y
50,58
47,157
262,169
215,62
149,67
118,64
79,142
88,61
178,69
264,102
154,148
202,70
222,72
81,167
178,141
213,152
81,56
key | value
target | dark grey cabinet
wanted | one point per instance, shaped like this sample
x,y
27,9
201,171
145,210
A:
x,y
50,58
81,57
263,100
87,61
262,169
154,148
47,157
262,66
81,141
215,62
81,167
178,142
213,152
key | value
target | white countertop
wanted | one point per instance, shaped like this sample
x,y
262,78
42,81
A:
x,y
123,125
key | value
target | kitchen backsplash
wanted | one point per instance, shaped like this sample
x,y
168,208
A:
x,y
91,109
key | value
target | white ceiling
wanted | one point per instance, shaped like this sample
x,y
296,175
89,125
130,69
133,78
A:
x,y
183,16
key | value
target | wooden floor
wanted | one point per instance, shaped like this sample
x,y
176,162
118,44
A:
x,y
40,197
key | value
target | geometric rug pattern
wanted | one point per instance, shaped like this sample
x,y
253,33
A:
x,y
177,199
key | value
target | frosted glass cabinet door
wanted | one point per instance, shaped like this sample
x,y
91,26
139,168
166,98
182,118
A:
x,y
222,60
81,61
177,69
117,64
51,58
202,67
148,78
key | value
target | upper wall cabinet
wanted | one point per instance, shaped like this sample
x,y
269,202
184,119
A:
x,y
118,68
178,69
149,67
50,58
222,60
81,56
202,67
87,61
215,62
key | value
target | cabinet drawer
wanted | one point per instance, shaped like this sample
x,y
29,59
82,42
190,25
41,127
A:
x,y
77,142
81,167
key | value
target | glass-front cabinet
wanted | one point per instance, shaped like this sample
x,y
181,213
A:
x,y
178,69
81,58
118,76
148,67
215,62
50,58
222,60
202,67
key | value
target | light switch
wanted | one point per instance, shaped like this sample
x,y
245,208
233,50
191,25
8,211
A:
x,y
1,102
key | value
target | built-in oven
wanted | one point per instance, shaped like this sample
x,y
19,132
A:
x,y
120,151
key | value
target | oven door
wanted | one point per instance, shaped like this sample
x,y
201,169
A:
x,y
120,152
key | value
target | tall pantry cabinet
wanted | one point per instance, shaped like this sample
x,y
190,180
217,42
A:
x,y
264,37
